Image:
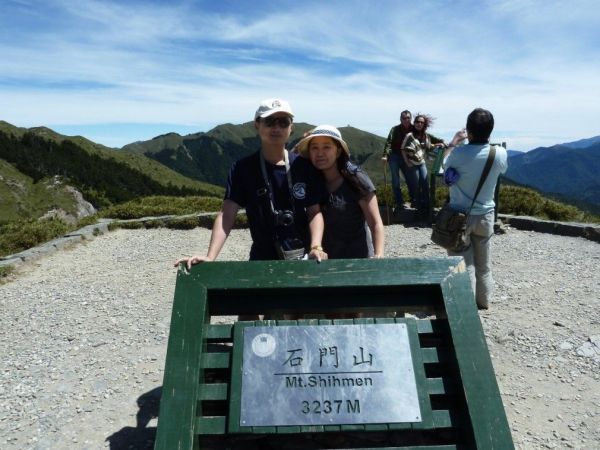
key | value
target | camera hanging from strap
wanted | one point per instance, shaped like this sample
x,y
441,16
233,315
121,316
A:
x,y
279,214
290,248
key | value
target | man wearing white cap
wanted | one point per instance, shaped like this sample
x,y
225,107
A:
x,y
281,193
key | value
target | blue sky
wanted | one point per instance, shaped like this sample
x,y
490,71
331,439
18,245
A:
x,y
117,72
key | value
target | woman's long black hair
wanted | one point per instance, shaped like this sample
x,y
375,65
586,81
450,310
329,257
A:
x,y
350,172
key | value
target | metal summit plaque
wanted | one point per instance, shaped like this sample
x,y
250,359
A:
x,y
328,374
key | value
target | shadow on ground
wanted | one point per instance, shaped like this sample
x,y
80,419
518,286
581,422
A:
x,y
141,436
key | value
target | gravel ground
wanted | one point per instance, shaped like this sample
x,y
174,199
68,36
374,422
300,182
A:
x,y
83,336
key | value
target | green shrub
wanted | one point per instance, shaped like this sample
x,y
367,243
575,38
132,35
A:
x,y
522,201
559,211
161,206
385,196
241,221
23,234
5,271
441,196
149,224
186,223
125,225
89,220
514,200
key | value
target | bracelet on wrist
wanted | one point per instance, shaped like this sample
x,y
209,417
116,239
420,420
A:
x,y
317,247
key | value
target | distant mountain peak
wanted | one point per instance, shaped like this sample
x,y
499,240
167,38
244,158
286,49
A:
x,y
582,143
171,134
569,170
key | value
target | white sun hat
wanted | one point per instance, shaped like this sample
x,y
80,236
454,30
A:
x,y
321,130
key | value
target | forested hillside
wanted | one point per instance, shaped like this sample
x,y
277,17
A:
x,y
104,176
571,173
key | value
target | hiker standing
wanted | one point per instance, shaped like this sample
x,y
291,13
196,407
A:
x,y
392,155
416,147
468,162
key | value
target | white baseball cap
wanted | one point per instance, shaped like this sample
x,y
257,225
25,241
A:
x,y
271,106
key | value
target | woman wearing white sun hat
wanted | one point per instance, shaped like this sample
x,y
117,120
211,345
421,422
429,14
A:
x,y
352,210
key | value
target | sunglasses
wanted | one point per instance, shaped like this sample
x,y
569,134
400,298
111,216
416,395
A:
x,y
283,122
420,122
405,118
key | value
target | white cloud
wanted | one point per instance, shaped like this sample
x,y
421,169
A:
x,y
337,62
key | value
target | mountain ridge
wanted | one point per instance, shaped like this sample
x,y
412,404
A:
x,y
173,164
547,169
207,156
582,143
103,175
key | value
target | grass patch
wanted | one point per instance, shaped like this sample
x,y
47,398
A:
x,y
177,223
23,234
162,206
125,225
5,272
19,235
166,206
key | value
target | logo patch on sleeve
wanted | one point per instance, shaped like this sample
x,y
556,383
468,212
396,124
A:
x,y
299,191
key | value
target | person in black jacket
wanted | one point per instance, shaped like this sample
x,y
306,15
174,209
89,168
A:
x,y
392,156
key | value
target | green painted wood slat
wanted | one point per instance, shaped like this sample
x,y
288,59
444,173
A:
x,y
222,332
441,386
213,391
215,360
210,425
433,355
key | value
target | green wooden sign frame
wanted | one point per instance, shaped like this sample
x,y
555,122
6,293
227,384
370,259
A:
x,y
452,360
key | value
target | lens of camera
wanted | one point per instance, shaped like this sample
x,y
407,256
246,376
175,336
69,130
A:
x,y
287,218
284,218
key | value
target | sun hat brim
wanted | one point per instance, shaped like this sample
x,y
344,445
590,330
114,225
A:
x,y
321,130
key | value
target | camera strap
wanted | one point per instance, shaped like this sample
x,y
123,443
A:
x,y
263,168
